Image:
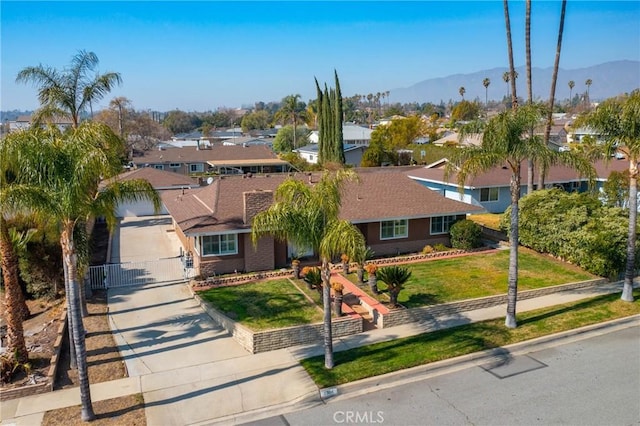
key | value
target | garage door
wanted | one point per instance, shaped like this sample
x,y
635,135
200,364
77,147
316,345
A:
x,y
137,209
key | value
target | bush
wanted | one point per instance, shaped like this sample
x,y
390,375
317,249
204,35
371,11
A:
x,y
440,247
427,249
41,270
465,235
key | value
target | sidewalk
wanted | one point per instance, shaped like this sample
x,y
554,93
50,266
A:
x,y
244,386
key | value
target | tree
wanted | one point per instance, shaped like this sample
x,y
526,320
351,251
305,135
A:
x,y
617,120
178,121
505,143
284,140
572,84
73,164
71,91
292,111
307,216
486,82
465,111
462,91
256,120
394,277
506,77
512,71
19,192
330,119
588,83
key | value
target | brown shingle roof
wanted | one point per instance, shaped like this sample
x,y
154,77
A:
x,y
377,196
159,179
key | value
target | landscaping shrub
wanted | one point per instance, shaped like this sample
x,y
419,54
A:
x,y
465,235
427,249
41,270
440,247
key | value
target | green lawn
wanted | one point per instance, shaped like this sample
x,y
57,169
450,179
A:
x,y
398,354
479,275
264,305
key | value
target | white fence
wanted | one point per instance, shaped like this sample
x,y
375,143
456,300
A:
x,y
135,273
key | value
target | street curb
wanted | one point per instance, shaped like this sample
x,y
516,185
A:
x,y
434,369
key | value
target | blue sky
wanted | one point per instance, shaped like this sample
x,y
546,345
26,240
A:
x,y
198,56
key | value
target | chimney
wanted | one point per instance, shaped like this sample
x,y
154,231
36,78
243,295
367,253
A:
x,y
255,202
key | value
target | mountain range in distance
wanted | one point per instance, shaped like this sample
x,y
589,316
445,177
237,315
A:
x,y
608,79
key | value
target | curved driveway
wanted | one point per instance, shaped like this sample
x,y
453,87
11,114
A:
x,y
191,370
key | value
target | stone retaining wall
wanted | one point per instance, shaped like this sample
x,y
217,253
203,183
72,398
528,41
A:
x,y
46,386
268,340
405,316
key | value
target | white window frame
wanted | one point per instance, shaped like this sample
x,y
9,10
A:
x,y
396,225
490,191
199,167
200,244
444,224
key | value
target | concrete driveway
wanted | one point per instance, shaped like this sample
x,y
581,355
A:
x,y
190,369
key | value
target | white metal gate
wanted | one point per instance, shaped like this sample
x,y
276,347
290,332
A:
x,y
135,273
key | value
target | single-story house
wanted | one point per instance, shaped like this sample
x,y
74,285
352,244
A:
x,y
248,141
453,138
213,158
352,153
491,189
394,213
25,121
352,134
161,181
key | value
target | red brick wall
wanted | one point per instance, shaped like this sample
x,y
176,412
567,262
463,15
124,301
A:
x,y
260,258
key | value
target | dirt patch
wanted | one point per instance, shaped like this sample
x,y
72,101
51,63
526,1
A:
x,y
126,410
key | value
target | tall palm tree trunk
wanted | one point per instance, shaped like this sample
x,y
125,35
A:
x,y
326,306
627,290
512,293
552,94
73,302
13,298
512,70
530,165
67,291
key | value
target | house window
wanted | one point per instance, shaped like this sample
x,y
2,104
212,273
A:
x,y
394,229
488,194
196,168
219,245
158,166
174,165
442,224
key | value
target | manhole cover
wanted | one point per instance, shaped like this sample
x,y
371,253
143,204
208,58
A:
x,y
512,366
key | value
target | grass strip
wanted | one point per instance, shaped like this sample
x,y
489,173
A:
x,y
380,358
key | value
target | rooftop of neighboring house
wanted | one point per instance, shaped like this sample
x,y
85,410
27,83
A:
x,y
219,152
159,179
378,196
313,148
501,176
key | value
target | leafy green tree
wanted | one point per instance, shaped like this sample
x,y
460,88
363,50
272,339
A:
x,y
73,164
256,120
330,119
505,143
178,121
307,216
69,92
292,111
394,277
285,138
465,111
615,191
617,120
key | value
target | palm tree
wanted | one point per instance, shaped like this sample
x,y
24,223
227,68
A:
x,y
71,91
554,79
506,77
19,192
618,121
74,163
512,72
395,277
462,91
486,82
308,217
292,110
588,83
505,143
572,84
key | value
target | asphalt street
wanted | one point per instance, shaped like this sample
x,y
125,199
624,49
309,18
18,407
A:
x,y
595,381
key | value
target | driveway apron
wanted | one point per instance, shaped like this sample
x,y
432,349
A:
x,y
191,369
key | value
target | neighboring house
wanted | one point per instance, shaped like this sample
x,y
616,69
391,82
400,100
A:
x,y
24,122
453,138
161,181
490,190
352,153
352,134
214,158
394,213
248,141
